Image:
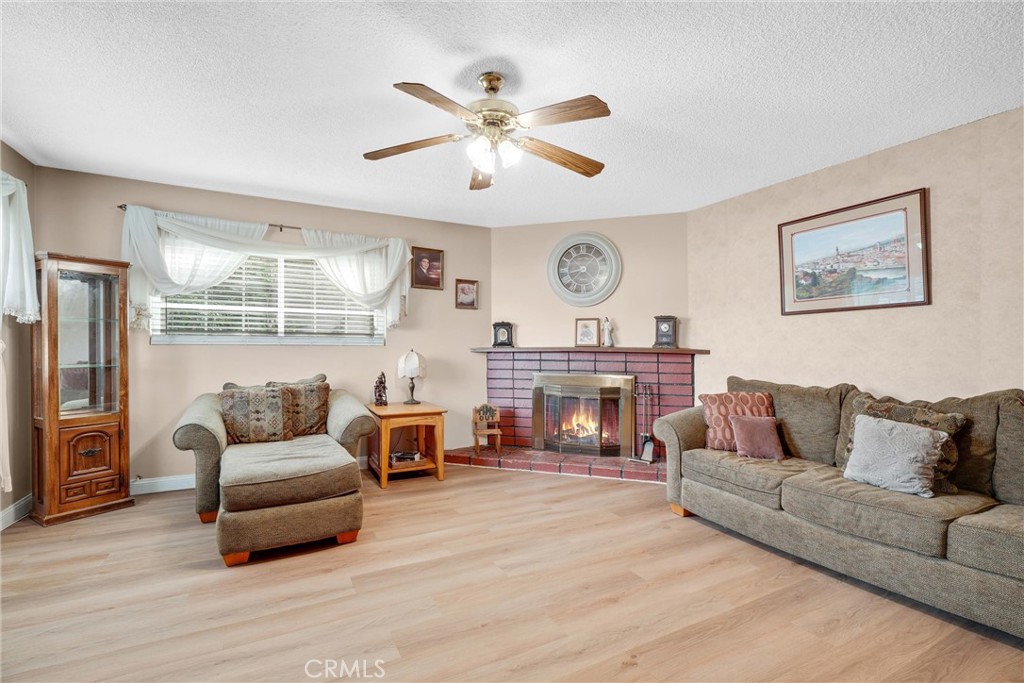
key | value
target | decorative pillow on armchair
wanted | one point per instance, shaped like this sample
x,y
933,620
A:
x,y
950,423
894,455
719,407
256,415
309,403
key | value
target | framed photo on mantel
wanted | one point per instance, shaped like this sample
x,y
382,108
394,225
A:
x,y
870,255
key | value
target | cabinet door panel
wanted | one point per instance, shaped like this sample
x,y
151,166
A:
x,y
89,451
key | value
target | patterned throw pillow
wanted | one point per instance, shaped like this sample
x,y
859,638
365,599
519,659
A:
x,y
950,423
897,456
718,408
256,415
309,403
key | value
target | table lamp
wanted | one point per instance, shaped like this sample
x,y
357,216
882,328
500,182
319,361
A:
x,y
411,365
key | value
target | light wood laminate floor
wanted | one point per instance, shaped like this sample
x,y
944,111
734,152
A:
x,y
488,576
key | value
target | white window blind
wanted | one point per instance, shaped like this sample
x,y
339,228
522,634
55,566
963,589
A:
x,y
266,301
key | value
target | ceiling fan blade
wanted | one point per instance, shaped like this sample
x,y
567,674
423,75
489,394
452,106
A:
x,y
563,157
579,109
480,180
431,96
411,146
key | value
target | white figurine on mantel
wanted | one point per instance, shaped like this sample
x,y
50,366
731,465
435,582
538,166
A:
x,y
606,333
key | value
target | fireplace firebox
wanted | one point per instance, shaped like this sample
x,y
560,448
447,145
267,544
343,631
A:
x,y
587,414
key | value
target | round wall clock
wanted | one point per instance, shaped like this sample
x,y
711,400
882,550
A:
x,y
584,269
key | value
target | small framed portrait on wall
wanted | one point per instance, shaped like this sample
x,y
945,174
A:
x,y
427,268
466,293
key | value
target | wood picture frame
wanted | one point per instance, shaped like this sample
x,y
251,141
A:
x,y
869,255
467,294
427,268
588,332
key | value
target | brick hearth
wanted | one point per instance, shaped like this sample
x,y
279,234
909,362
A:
x,y
558,463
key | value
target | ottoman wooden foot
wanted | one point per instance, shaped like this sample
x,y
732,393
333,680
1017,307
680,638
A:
x,y
347,537
231,559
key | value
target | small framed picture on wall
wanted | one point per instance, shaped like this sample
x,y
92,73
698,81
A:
x,y
427,268
588,332
466,293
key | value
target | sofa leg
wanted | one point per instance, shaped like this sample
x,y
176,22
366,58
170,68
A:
x,y
208,517
680,510
347,537
231,559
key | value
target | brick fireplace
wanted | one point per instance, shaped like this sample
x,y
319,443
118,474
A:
x,y
510,382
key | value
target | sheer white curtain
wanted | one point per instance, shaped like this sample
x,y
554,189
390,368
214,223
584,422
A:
x,y
17,260
163,248
18,294
373,271
170,263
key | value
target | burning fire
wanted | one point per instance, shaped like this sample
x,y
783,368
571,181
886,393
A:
x,y
582,424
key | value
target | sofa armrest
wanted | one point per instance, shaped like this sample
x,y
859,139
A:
x,y
201,430
348,421
681,431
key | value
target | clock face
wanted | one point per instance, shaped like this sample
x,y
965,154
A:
x,y
664,327
584,269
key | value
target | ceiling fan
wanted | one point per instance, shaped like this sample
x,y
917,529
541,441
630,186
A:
x,y
491,122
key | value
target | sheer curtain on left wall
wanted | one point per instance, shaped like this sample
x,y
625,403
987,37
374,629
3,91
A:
x,y
17,290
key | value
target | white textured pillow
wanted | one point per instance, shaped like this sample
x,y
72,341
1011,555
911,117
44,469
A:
x,y
894,455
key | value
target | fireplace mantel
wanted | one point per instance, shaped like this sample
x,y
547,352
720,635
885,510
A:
x,y
584,349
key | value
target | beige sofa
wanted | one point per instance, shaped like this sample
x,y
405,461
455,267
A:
x,y
268,495
962,553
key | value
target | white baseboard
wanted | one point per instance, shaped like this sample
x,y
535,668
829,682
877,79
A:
x,y
178,482
12,514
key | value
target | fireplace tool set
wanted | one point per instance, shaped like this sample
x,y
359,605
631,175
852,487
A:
x,y
644,398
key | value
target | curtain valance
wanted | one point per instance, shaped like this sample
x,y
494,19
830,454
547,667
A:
x,y
179,253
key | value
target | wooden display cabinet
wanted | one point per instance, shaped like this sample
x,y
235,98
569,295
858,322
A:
x,y
80,389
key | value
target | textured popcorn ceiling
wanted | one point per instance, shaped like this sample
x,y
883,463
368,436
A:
x,y
280,100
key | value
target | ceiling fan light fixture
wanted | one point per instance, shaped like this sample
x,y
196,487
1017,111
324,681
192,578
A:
x,y
481,152
510,152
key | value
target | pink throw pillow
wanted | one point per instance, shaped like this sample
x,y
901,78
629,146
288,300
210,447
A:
x,y
719,407
757,437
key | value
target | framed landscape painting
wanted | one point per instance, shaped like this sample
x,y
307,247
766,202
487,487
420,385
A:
x,y
870,255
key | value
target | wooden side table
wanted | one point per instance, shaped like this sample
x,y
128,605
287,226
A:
x,y
421,416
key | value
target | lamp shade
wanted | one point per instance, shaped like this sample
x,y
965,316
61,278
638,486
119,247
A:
x,y
411,365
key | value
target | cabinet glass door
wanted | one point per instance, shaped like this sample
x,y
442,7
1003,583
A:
x,y
87,338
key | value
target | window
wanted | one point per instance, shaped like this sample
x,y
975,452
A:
x,y
266,301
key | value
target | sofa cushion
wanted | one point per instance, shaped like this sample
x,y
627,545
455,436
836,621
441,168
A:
x,y
718,408
758,481
824,497
976,442
895,455
256,414
757,437
992,540
809,416
308,468
1008,472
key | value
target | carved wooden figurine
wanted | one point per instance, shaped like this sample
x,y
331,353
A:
x,y
380,391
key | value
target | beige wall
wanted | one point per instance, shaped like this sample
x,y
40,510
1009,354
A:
x,y
717,267
77,213
970,340
654,280
16,361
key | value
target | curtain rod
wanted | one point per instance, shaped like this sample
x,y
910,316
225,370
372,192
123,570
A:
x,y
280,228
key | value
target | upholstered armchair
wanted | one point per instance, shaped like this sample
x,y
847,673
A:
x,y
276,493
